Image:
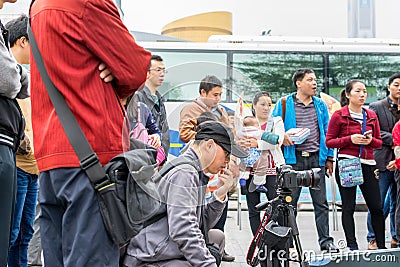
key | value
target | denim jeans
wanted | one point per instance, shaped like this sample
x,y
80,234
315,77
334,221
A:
x,y
388,191
24,215
8,177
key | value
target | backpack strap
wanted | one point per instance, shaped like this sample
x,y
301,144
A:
x,y
164,171
283,108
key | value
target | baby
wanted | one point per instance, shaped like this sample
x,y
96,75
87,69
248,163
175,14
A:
x,y
255,162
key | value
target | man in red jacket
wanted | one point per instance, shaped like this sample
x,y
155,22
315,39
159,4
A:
x,y
74,37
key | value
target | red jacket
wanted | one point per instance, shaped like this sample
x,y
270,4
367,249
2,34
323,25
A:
x,y
74,37
396,143
342,126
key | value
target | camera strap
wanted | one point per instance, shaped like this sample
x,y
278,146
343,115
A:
x,y
257,241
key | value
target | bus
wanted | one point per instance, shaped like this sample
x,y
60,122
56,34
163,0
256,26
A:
x,y
248,64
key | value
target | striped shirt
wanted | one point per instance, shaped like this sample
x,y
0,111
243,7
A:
x,y
306,117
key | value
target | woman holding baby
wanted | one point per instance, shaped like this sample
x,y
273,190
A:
x,y
259,169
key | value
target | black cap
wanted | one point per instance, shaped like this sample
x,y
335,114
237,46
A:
x,y
222,135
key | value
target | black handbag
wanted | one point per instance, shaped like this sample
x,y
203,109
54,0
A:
x,y
276,236
127,195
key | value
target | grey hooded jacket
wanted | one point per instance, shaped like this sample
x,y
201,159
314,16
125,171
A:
x,y
178,235
13,84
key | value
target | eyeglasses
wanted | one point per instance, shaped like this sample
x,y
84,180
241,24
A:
x,y
159,70
227,154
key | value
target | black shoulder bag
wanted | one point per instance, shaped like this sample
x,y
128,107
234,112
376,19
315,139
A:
x,y
127,195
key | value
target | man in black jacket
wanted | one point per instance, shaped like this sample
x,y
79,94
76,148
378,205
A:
x,y
153,99
13,84
388,113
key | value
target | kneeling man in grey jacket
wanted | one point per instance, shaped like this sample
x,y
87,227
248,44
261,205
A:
x,y
177,239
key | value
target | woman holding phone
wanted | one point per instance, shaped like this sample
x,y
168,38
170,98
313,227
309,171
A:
x,y
353,129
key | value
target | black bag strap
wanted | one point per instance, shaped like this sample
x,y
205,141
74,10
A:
x,y
89,161
164,171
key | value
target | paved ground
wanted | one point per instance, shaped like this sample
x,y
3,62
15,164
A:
x,y
238,240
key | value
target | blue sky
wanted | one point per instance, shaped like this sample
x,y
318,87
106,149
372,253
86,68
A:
x,y
283,17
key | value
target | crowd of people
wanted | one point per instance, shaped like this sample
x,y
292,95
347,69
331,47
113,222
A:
x,y
111,77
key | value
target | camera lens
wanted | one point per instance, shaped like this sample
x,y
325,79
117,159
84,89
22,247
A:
x,y
309,178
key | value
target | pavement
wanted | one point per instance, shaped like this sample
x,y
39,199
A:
x,y
238,240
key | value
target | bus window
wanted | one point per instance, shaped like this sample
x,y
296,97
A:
x,y
185,70
273,72
374,70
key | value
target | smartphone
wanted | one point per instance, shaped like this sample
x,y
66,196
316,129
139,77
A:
x,y
369,132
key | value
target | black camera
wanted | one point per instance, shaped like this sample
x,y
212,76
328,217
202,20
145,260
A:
x,y
287,178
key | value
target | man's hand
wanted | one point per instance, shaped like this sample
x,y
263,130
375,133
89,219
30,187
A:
x,y
391,166
105,73
225,182
329,165
287,141
233,167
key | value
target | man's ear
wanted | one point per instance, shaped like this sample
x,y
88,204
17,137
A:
x,y
22,42
203,93
210,144
297,84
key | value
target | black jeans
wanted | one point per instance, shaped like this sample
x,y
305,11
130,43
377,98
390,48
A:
x,y
318,196
8,179
371,194
253,198
71,222
220,225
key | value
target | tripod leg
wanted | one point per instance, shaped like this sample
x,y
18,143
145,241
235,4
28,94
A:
x,y
295,232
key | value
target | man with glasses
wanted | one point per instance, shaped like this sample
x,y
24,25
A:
x,y
178,238
150,96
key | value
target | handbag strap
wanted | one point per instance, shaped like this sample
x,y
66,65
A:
x,y
364,126
88,159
